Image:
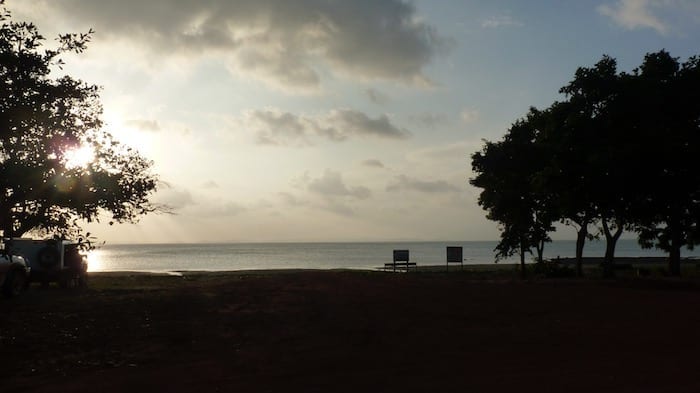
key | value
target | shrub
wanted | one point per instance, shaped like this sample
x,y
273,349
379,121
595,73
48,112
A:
x,y
552,269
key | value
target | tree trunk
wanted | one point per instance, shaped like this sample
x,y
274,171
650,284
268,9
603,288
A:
x,y
581,235
540,251
674,261
610,243
674,255
522,262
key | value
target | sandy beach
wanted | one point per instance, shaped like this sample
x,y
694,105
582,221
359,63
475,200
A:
x,y
352,331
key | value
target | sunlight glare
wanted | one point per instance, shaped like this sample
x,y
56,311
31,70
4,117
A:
x,y
129,134
79,157
95,262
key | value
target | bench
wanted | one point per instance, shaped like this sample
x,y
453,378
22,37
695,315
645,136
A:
x,y
401,261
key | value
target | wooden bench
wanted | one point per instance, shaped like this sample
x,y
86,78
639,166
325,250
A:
x,y
401,261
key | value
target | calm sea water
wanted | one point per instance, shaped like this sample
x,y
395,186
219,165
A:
x,y
250,256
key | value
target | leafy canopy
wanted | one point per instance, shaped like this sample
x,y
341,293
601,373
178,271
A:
x,y
58,167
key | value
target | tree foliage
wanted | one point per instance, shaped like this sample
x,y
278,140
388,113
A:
x,y
621,150
667,96
595,101
506,170
44,121
566,135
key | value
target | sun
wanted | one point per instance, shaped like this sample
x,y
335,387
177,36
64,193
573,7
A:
x,y
79,157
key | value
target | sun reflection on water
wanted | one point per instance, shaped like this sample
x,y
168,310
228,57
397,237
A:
x,y
95,261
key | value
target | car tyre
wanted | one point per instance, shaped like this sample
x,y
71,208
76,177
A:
x,y
49,258
15,282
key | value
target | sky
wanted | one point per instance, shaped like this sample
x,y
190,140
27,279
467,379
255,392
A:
x,y
335,120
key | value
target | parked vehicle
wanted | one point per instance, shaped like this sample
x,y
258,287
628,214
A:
x,y
53,261
14,273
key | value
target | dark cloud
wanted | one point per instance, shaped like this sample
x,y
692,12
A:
x,y
273,127
291,199
348,122
339,209
174,198
144,125
286,41
377,97
331,184
405,183
279,128
333,197
373,163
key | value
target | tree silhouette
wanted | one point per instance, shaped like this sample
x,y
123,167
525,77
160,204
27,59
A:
x,y
567,177
43,121
594,101
666,96
506,171
621,151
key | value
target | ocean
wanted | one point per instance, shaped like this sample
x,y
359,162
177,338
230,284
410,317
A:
x,y
253,256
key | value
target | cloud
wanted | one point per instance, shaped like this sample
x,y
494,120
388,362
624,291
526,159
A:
x,y
218,209
182,199
373,163
500,21
331,184
274,127
230,209
286,43
291,199
429,120
327,192
377,97
405,183
349,122
211,184
469,116
634,14
174,198
144,125
328,204
663,16
339,208
454,151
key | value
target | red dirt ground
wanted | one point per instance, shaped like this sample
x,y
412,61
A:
x,y
352,332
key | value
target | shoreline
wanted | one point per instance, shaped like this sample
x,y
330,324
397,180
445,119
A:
x,y
321,255
587,262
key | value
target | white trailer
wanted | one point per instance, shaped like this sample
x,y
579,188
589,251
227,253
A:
x,y
52,260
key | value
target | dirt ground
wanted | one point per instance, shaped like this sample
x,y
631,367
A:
x,y
329,331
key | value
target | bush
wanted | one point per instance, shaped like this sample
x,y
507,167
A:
x,y
552,269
